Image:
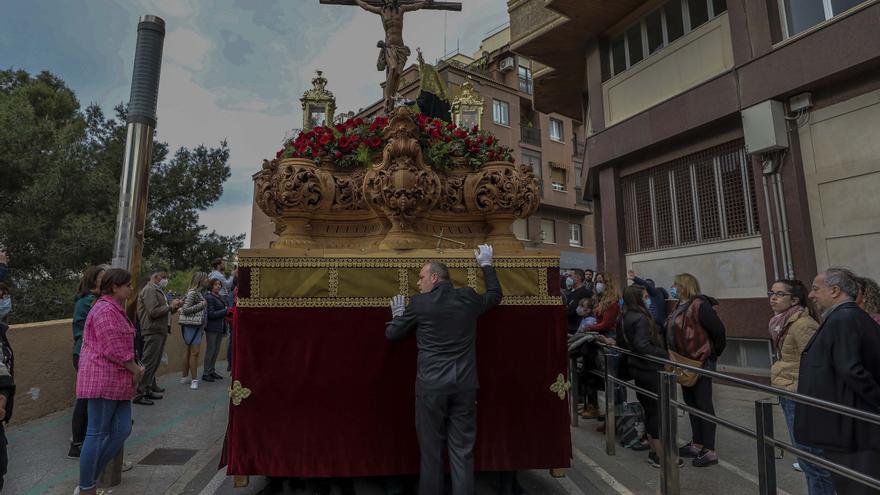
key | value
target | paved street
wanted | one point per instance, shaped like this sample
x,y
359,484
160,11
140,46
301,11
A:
x,y
196,420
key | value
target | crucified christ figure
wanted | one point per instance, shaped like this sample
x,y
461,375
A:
x,y
393,54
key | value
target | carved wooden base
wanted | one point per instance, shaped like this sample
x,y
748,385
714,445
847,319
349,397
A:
x,y
240,481
296,233
557,472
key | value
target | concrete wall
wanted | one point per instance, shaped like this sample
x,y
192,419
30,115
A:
x,y
842,176
44,375
726,270
693,59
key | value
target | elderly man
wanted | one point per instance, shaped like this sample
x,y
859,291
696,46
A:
x,y
840,365
445,320
154,315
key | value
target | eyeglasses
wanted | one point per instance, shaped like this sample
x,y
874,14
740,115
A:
x,y
778,294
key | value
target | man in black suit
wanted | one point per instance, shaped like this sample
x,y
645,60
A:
x,y
445,320
840,365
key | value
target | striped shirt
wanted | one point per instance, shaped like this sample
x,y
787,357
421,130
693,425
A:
x,y
108,341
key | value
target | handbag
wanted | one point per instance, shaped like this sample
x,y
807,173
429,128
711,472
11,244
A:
x,y
196,319
685,377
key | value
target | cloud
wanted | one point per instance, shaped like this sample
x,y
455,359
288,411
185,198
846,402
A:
x,y
174,8
235,48
187,48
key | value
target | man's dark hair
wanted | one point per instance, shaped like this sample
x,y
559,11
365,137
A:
x,y
591,272
579,274
217,263
440,269
158,269
114,277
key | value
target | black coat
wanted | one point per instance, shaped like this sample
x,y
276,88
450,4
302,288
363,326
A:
x,y
7,382
445,321
840,364
571,304
637,338
216,313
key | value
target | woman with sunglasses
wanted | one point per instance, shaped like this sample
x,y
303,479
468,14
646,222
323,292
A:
x,y
791,328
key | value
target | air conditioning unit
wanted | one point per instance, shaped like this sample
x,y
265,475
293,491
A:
x,y
506,64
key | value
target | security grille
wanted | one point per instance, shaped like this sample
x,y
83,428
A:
x,y
705,197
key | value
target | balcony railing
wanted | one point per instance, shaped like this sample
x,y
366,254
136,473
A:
x,y
578,147
530,135
526,85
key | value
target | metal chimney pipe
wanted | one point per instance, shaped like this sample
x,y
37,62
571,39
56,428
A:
x,y
134,183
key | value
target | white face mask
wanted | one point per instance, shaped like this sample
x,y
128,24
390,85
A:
x,y
600,287
163,283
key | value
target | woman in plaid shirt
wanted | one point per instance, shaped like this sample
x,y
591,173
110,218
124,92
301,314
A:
x,y
107,378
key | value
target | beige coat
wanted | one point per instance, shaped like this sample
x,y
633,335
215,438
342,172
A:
x,y
799,330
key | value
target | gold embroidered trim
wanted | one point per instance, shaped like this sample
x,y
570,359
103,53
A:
x,y
373,302
300,262
333,282
238,393
403,279
561,386
255,282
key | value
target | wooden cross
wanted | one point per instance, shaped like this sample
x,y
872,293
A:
x,y
440,239
454,6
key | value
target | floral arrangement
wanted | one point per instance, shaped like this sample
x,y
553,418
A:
x,y
356,141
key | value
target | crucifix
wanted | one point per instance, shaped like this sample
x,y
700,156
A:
x,y
393,54
440,240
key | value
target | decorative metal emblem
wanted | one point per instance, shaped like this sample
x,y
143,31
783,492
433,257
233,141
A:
x,y
560,387
238,393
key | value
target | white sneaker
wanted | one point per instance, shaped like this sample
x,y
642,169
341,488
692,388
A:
x,y
194,385
184,380
797,467
127,466
76,491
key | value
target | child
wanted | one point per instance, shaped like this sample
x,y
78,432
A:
x,y
585,309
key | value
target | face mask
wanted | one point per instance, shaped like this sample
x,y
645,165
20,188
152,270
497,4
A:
x,y
5,306
569,283
600,287
648,303
163,283
673,292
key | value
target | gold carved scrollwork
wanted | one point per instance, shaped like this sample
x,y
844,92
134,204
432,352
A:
x,y
349,191
402,187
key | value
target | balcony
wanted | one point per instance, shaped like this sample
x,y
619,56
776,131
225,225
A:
x,y
528,18
530,135
693,59
579,147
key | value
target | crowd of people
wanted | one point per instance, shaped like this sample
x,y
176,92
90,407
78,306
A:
x,y
825,339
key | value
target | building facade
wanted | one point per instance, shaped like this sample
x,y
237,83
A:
x,y
734,140
551,143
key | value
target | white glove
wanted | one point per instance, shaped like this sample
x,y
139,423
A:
x,y
484,255
398,305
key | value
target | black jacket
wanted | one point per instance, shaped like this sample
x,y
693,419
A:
x,y
7,382
445,320
840,364
216,313
571,305
637,338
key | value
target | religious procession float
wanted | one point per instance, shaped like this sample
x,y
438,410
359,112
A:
x,y
359,207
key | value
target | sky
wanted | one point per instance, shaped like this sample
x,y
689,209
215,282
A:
x,y
231,69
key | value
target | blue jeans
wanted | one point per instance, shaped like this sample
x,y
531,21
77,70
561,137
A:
x,y
109,426
819,480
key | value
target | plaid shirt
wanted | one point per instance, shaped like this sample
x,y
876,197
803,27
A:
x,y
108,341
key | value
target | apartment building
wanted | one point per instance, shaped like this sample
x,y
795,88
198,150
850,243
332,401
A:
x,y
732,139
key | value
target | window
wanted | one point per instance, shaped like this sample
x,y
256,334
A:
x,y
500,112
557,179
660,28
521,229
705,197
574,235
548,231
746,355
800,15
525,79
556,129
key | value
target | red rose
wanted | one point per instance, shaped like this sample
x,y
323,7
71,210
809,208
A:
x,y
358,121
435,133
460,134
344,142
278,155
490,140
450,126
375,142
340,128
324,139
447,138
337,155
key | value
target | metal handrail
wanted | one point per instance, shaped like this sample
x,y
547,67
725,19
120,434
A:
x,y
806,399
669,478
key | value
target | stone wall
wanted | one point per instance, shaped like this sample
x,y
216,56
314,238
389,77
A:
x,y
44,375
